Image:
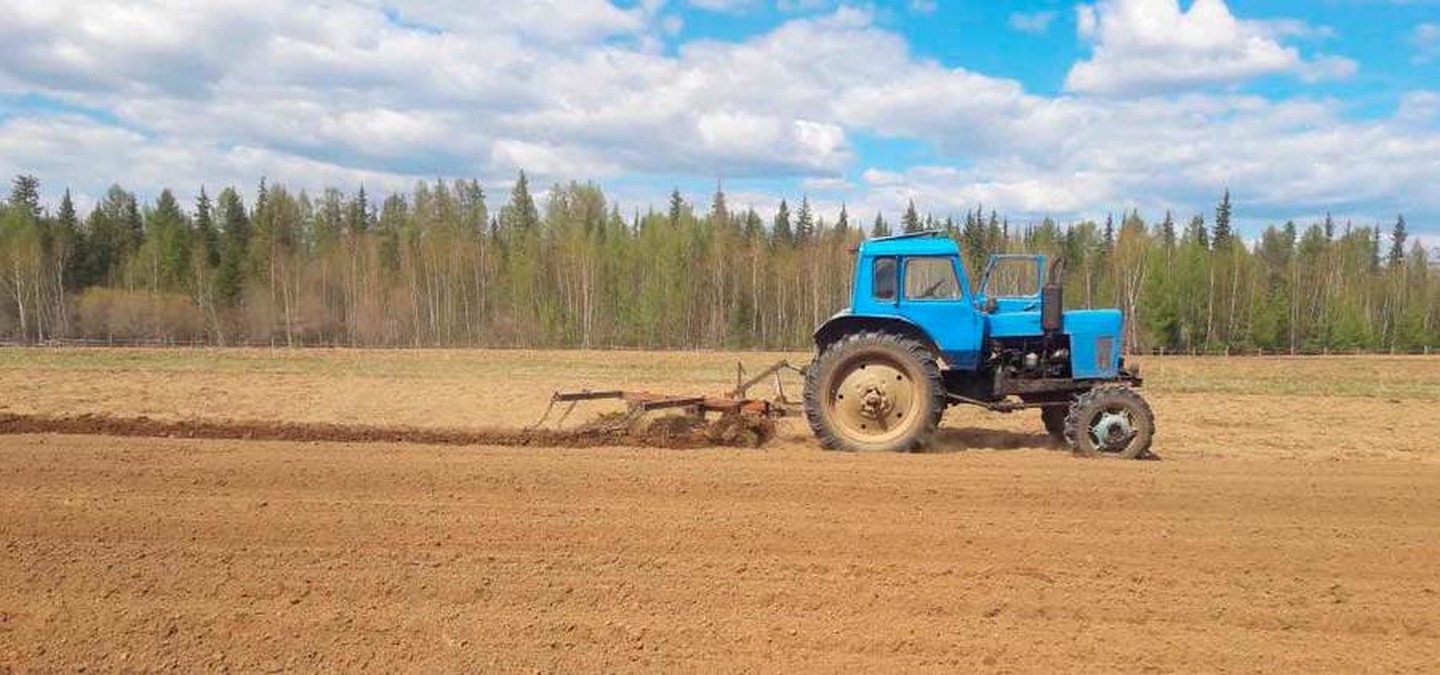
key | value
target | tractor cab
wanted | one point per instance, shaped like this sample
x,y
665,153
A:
x,y
1012,283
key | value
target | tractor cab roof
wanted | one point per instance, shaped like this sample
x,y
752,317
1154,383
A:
x,y
929,242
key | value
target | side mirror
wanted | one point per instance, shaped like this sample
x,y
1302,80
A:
x,y
991,305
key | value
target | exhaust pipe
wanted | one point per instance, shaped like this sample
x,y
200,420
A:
x,y
1052,299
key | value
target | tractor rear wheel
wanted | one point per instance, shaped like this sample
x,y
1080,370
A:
x,y
1110,421
874,391
1054,419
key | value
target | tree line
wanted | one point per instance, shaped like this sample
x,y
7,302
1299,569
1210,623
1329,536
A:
x,y
566,268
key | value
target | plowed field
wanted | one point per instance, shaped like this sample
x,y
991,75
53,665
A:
x,y
1292,525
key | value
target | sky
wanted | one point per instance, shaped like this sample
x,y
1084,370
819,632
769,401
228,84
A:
x,y
1035,108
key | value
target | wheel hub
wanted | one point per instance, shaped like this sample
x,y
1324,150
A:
x,y
873,400
1112,430
875,403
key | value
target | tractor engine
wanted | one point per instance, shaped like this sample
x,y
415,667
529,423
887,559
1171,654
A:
x,y
1043,356
1038,357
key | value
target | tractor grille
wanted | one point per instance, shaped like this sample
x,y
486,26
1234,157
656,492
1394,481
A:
x,y
1104,347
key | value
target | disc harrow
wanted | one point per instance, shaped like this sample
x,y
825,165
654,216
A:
x,y
731,419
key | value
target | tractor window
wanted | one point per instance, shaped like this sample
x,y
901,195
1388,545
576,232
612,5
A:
x,y
884,279
1012,278
930,279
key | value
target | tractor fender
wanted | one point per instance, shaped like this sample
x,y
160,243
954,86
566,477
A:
x,y
844,323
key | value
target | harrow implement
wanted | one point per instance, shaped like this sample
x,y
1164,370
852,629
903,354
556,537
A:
x,y
728,419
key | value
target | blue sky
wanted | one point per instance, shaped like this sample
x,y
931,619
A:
x,y
1038,108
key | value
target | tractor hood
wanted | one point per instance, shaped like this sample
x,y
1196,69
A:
x,y
1077,321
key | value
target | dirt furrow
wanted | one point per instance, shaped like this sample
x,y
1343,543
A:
x,y
666,432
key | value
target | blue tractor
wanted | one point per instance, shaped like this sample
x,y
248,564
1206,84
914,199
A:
x,y
916,339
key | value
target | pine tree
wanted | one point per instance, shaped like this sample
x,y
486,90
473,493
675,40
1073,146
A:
x,y
209,238
1375,248
360,216
477,214
68,248
719,213
230,276
910,221
880,228
754,225
1397,243
677,208
1196,231
393,214
1223,233
520,215
1329,227
25,195
168,233
330,221
972,240
67,232
1108,241
1167,231
259,221
804,221
780,227
842,225
133,227
66,217
105,239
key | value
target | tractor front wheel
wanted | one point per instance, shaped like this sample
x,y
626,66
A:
x,y
1110,421
874,391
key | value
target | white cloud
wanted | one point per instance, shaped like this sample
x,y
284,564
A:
x,y
55,146
1325,68
434,92
559,22
1426,40
825,185
1155,154
1418,108
550,159
738,130
819,138
880,177
802,5
672,25
339,94
724,6
924,6
1035,23
1283,28
1153,46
